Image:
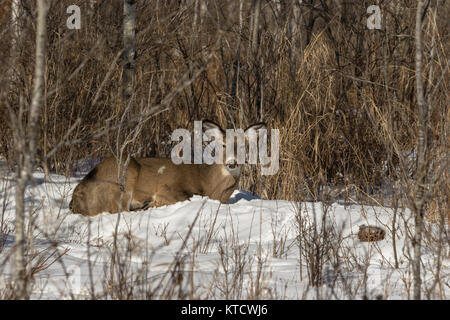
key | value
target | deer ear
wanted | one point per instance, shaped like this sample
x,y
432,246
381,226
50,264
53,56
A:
x,y
209,125
256,126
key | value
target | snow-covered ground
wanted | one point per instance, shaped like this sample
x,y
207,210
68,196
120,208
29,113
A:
x,y
251,248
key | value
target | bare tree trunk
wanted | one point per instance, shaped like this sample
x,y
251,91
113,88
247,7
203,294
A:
x,y
237,65
129,46
295,35
195,19
255,27
256,57
15,27
10,79
26,152
422,163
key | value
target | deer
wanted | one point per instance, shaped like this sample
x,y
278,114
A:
x,y
156,182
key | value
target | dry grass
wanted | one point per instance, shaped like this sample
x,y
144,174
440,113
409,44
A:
x,y
344,105
343,97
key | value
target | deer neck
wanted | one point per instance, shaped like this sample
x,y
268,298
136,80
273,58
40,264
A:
x,y
219,182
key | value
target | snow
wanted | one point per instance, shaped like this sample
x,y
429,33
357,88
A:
x,y
248,248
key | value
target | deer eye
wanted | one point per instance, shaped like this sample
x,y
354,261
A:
x,y
231,165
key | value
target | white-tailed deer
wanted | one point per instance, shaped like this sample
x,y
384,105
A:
x,y
154,182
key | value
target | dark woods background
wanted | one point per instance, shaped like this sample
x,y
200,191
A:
x,y
342,96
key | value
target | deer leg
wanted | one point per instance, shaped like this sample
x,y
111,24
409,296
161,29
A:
x,y
137,205
163,197
167,196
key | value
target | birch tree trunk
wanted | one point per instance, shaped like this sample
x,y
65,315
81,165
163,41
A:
x,y
256,58
255,27
26,152
11,77
15,27
14,46
237,62
129,47
422,163
195,19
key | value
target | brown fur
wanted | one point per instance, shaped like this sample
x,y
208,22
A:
x,y
146,187
99,190
151,182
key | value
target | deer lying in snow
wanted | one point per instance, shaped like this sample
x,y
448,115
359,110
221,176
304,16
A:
x,y
154,182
